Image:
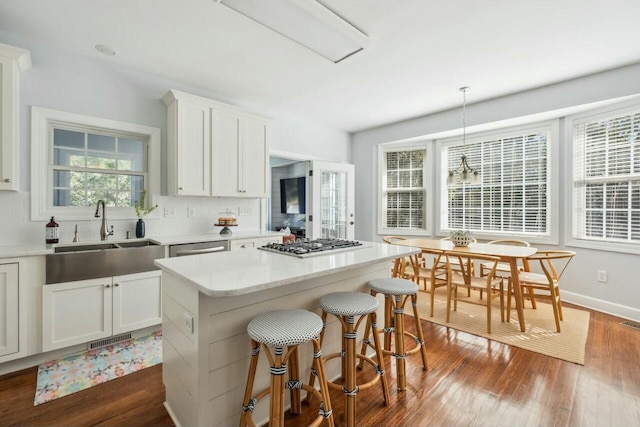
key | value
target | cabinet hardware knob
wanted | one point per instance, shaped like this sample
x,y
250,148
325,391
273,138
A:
x,y
107,286
116,285
179,188
7,180
351,223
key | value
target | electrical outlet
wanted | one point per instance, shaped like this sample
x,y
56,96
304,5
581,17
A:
x,y
244,211
188,322
602,276
169,212
191,212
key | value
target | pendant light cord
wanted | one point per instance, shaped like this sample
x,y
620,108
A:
x,y
464,90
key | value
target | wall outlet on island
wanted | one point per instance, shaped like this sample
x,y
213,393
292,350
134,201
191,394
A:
x,y
244,211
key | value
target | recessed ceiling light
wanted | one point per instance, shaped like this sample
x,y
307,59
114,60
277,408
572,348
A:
x,y
105,50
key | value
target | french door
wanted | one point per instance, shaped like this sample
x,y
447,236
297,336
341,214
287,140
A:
x,y
330,200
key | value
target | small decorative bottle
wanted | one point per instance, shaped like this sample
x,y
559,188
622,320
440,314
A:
x,y
52,231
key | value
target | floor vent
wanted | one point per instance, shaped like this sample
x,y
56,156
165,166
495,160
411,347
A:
x,y
110,340
633,325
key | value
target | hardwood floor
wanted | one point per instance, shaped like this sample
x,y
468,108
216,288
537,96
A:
x,y
471,381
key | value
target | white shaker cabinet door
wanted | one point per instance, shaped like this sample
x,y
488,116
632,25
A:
x,y
76,312
255,156
137,301
8,309
225,154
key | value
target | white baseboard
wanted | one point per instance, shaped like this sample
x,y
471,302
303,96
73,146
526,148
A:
x,y
626,312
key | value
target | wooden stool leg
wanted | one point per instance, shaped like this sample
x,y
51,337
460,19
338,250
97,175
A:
x,y
248,403
322,380
350,388
419,334
379,356
365,341
276,410
400,355
388,320
294,375
324,326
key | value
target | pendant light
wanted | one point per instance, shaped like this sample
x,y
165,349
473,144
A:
x,y
464,173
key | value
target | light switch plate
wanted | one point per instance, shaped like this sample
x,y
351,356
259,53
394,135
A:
x,y
244,211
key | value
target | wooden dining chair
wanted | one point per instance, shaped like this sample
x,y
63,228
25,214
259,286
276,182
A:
x,y
401,264
546,283
455,263
492,284
504,269
432,273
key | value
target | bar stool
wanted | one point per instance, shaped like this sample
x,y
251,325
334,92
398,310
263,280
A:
x,y
396,293
279,329
346,306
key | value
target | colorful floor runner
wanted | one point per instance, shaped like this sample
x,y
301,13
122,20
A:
x,y
80,371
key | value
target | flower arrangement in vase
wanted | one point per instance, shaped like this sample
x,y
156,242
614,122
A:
x,y
141,212
460,237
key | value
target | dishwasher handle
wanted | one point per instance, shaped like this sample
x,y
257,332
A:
x,y
200,251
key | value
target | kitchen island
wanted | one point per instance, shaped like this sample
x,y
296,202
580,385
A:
x,y
208,300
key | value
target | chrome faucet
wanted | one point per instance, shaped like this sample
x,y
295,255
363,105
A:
x,y
103,227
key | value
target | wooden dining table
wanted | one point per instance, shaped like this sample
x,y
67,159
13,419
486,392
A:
x,y
507,253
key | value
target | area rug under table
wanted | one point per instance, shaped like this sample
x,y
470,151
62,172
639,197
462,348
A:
x,y
540,333
80,371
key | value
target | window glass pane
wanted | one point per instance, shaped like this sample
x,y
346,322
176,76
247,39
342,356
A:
x,y
130,155
63,138
97,160
101,143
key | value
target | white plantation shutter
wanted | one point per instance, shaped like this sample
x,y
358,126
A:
x,y
606,177
513,195
403,189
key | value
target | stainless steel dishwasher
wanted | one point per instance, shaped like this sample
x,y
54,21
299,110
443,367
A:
x,y
198,248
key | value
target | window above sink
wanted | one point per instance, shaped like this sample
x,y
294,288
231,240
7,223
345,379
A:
x,y
77,160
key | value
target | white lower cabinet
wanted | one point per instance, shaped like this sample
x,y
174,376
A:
x,y
87,310
9,324
253,243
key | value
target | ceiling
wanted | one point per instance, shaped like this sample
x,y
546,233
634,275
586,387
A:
x,y
420,52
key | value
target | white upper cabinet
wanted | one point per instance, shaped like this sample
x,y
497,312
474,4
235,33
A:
x,y
13,60
238,155
188,147
215,149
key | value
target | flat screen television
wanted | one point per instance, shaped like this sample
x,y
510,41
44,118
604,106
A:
x,y
292,195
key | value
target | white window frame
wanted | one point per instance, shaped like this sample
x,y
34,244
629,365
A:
x,y
41,168
570,123
551,237
427,184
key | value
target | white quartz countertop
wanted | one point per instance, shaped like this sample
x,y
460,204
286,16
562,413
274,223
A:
x,y
234,273
35,249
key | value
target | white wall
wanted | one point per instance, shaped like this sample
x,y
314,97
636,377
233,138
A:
x,y
620,295
99,87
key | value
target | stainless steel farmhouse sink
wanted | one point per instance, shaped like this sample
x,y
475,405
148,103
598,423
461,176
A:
x,y
92,261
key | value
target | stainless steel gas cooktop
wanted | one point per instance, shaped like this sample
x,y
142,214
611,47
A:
x,y
307,248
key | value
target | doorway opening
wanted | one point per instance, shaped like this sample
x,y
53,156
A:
x,y
289,189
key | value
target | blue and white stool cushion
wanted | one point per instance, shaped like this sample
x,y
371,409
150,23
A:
x,y
393,286
281,328
348,303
